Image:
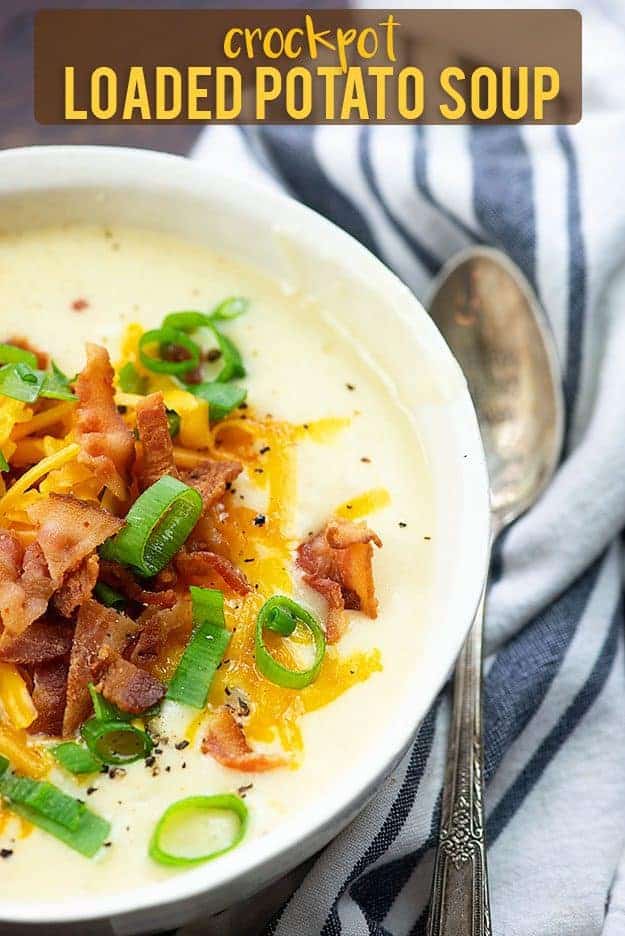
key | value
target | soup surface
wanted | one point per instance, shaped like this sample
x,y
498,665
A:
x,y
322,434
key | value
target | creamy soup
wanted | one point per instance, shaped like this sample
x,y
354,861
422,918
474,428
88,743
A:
x,y
334,439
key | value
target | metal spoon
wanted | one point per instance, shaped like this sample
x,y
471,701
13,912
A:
x,y
495,327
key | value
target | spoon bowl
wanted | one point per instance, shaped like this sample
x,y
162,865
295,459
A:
x,y
496,329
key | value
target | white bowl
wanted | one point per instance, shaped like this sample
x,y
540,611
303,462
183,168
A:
x,y
51,185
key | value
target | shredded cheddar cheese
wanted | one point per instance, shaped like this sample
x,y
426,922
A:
x,y
15,698
38,471
25,757
43,420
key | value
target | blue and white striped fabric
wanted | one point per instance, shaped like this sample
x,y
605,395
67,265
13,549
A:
x,y
554,199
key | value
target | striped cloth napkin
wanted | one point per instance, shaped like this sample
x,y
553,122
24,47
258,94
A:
x,y
554,200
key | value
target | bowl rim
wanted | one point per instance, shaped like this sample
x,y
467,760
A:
x,y
37,166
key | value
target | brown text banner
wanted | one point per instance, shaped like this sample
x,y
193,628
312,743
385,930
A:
x,y
308,66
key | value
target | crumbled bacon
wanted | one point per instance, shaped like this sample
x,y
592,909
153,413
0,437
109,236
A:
x,y
116,576
97,627
158,451
49,694
194,566
337,562
211,478
11,591
46,639
226,742
25,585
154,629
107,444
70,530
77,586
129,688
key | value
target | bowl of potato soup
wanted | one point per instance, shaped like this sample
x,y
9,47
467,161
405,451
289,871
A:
x,y
243,531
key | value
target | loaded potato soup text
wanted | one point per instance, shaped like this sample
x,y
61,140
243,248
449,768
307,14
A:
x,y
214,563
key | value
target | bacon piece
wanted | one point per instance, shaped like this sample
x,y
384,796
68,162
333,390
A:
x,y
129,688
226,742
158,450
70,530
25,585
337,562
120,578
46,639
194,566
211,478
11,591
49,693
155,627
77,586
97,628
106,441
36,582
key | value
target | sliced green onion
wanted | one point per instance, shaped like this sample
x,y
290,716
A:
x,y
116,742
230,308
11,354
62,816
178,814
56,385
192,680
21,382
50,809
157,525
267,664
44,798
47,807
75,758
231,357
186,321
87,838
190,320
165,336
173,422
221,398
280,620
131,381
109,597
4,465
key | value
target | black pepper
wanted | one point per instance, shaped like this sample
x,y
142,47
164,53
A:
x,y
6,852
150,761
350,386
260,520
182,745
91,790
402,524
265,449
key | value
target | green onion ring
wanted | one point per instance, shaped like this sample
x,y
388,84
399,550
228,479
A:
x,y
116,742
157,525
164,336
225,801
267,664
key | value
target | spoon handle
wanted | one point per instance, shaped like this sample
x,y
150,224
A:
x,y
459,903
